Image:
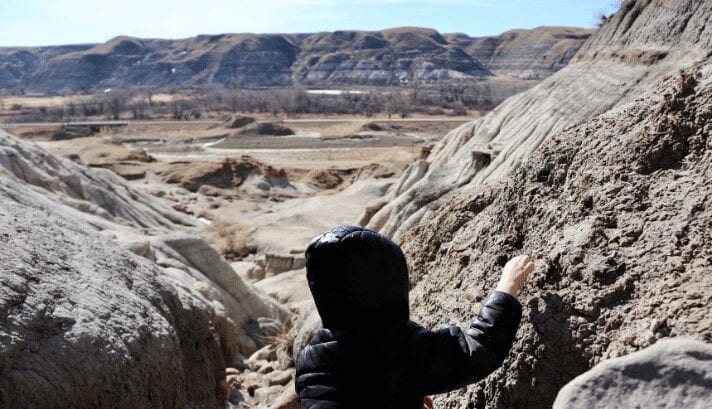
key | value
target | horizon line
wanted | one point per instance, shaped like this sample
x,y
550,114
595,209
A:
x,y
591,28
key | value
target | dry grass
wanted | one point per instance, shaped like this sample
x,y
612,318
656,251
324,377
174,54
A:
x,y
230,239
282,338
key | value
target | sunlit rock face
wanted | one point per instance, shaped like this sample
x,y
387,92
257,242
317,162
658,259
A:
x,y
107,298
601,174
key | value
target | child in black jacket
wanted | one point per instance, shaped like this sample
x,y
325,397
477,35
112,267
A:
x,y
369,354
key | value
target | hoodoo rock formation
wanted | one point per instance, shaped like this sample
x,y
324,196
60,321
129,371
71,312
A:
x,y
103,304
602,174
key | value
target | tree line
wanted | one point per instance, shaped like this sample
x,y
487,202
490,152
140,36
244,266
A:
x,y
130,103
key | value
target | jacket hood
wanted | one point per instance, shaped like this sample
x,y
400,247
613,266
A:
x,y
358,278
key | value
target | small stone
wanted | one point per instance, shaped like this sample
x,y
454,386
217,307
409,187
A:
x,y
470,295
268,394
279,377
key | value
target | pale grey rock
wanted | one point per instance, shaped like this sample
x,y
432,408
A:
x,y
277,264
267,394
289,287
307,324
85,324
639,46
674,373
244,269
199,255
102,306
94,192
281,378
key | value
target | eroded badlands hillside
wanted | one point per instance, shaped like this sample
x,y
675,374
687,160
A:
x,y
602,174
322,59
644,42
108,298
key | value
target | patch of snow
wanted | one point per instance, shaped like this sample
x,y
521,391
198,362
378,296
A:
x,y
333,92
205,221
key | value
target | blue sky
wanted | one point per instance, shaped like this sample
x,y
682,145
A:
x,y
49,22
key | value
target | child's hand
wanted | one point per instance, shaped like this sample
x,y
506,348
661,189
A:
x,y
514,275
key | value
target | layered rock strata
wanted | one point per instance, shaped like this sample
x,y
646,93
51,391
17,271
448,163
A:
x,y
644,42
108,300
341,58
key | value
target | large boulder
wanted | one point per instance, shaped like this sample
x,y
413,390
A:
x,y
85,324
675,373
108,299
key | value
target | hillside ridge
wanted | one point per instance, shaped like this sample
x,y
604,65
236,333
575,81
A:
x,y
340,58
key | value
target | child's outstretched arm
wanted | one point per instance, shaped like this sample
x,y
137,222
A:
x,y
450,358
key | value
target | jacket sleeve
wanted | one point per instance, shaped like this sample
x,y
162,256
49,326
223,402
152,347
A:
x,y
450,358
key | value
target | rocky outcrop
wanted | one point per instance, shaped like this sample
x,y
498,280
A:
x,y
387,57
641,44
98,196
340,58
616,214
244,173
525,54
670,374
104,304
86,324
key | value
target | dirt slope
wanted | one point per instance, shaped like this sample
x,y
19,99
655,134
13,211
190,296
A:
x,y
645,41
615,211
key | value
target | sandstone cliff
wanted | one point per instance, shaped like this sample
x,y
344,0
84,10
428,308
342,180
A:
x,y
337,58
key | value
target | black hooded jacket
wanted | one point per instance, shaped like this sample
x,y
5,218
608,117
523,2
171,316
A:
x,y
369,354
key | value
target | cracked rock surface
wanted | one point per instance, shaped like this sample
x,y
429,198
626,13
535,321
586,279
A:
x,y
107,300
616,214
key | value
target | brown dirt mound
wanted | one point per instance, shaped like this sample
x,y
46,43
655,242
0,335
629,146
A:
x,y
227,174
239,121
267,128
74,132
324,178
